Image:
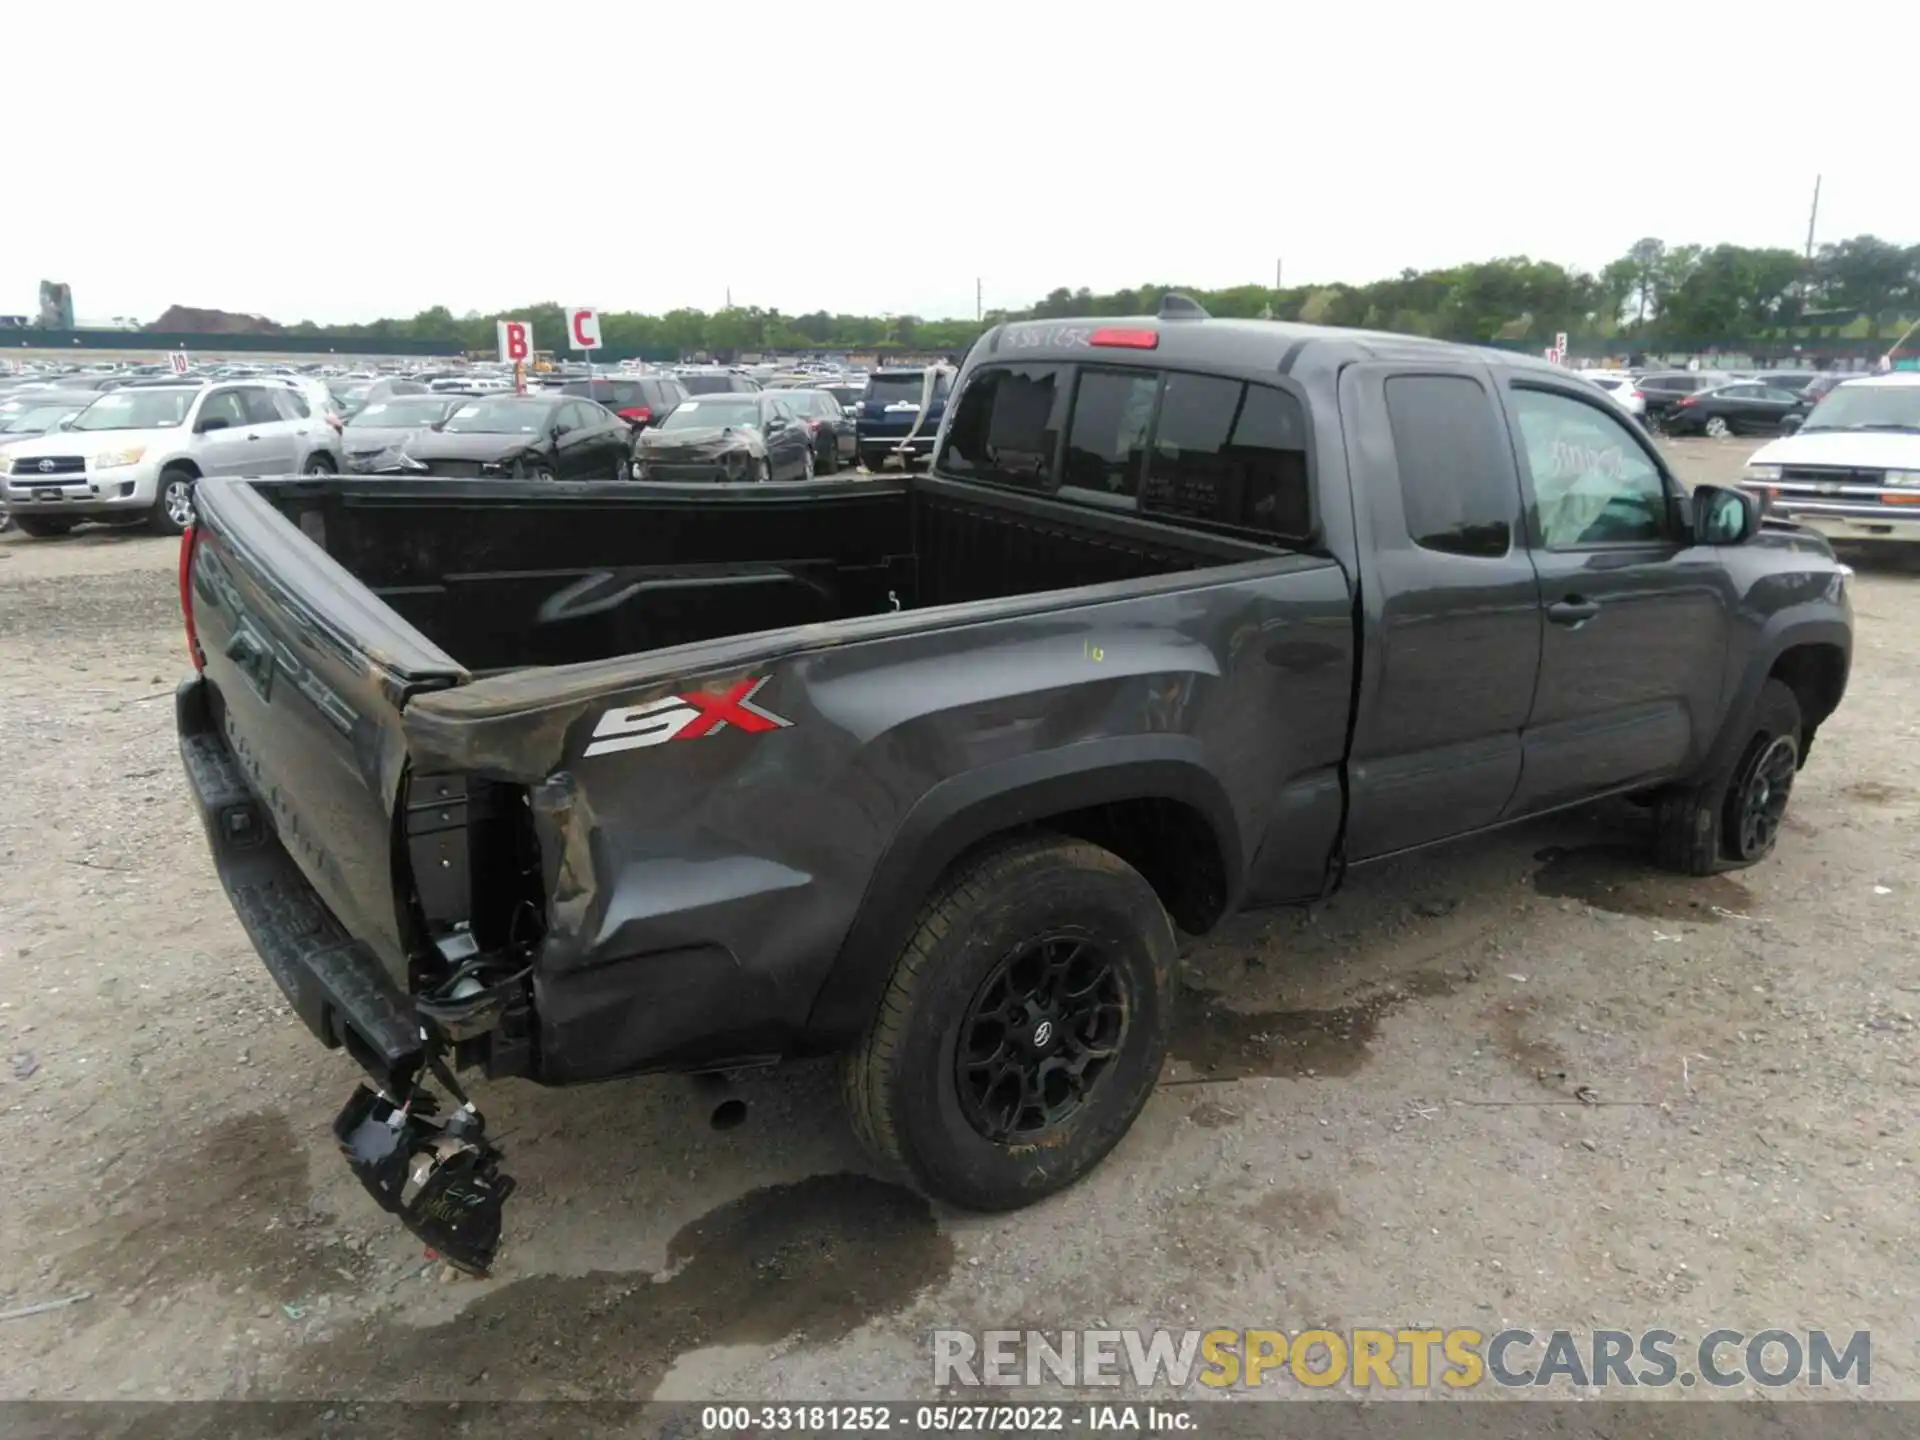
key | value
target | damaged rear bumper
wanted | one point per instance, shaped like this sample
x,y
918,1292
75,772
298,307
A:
x,y
335,983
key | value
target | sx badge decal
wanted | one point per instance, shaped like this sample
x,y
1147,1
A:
x,y
690,716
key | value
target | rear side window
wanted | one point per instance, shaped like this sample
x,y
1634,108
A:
x,y
1107,439
260,407
1229,453
1006,426
1456,479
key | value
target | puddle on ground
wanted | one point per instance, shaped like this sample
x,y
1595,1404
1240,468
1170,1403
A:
x,y
229,1206
1622,880
1875,792
1224,1044
813,1260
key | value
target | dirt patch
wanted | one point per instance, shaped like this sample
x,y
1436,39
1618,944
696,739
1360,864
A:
x,y
1238,1045
231,1207
1514,1025
1620,879
1211,1116
812,1261
1301,1210
1875,792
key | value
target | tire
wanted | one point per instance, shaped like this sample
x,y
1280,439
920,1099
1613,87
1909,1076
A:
x,y
1717,428
806,463
1733,820
541,472
829,461
6,521
874,460
1008,914
623,471
319,465
172,504
42,528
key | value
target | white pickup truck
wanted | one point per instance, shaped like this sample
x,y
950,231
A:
x,y
1852,471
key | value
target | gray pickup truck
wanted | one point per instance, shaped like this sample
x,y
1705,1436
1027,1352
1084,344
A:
x,y
577,780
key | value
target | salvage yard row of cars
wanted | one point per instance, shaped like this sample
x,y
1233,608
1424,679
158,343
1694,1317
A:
x,y
130,448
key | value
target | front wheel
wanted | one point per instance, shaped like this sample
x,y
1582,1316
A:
x,y
318,465
173,506
1023,1028
829,461
1734,820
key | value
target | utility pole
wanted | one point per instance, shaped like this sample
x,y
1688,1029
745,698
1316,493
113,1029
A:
x,y
1813,216
1278,267
979,310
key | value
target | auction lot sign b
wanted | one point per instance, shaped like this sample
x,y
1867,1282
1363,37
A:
x,y
516,341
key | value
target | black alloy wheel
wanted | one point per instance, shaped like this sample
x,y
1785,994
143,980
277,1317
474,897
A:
x,y
1042,1031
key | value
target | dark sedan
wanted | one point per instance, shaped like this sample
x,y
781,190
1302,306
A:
x,y
1748,408
540,437
383,426
835,441
727,437
639,399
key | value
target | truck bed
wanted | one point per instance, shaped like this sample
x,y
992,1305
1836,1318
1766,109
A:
x,y
563,575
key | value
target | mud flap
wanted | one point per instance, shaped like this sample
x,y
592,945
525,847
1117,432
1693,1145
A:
x,y
442,1179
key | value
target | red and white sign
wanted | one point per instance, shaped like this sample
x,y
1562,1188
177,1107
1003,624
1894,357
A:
x,y
1555,356
583,328
178,360
1560,342
516,340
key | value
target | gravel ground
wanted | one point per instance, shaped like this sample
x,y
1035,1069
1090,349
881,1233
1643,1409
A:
x,y
1378,1114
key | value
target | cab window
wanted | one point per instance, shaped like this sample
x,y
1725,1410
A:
x,y
1593,483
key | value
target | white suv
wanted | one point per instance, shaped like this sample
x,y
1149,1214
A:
x,y
133,454
1852,471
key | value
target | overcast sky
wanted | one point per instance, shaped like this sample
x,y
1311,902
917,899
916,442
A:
x,y
341,162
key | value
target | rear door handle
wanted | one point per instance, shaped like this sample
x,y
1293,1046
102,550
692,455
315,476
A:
x,y
1573,611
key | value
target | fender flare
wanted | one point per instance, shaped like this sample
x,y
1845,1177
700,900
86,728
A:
x,y
965,809
1783,632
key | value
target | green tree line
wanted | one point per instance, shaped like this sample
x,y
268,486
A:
x,y
1656,294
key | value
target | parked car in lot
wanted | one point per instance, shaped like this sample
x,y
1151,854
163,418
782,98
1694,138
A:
x,y
1793,380
890,412
352,395
1743,408
1621,387
1852,469
849,393
832,428
1662,390
1190,615
39,413
379,428
538,437
639,399
727,437
136,454
716,382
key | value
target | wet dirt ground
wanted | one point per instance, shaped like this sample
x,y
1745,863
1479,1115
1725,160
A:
x,y
1523,1081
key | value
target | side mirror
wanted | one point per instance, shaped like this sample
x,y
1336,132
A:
x,y
65,422
1725,516
1791,423
555,433
206,424
775,424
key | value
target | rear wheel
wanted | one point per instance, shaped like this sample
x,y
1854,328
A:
x,y
173,505
829,463
1023,1028
40,527
1718,427
1734,819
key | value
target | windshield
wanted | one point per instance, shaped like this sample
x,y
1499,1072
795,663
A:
x,y
406,411
35,422
1867,407
707,384
743,410
500,417
136,410
894,389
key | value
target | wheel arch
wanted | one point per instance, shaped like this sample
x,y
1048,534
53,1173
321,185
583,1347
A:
x,y
1150,799
1811,657
183,463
